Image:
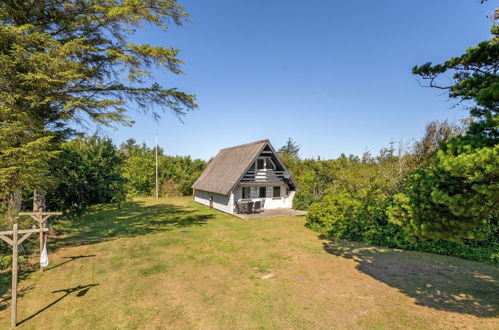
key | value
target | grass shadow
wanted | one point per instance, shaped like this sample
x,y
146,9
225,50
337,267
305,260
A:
x,y
107,222
70,258
5,301
5,286
434,281
80,289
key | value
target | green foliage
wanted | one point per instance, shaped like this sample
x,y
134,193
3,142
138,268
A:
x,y
25,154
176,174
313,178
456,194
5,261
139,174
365,219
334,214
304,199
290,149
443,196
64,60
87,172
73,61
317,178
452,199
367,199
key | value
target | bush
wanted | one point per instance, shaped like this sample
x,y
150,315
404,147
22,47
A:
x,y
335,214
87,172
176,174
170,188
5,259
303,200
347,217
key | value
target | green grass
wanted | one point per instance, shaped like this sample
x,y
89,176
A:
x,y
175,264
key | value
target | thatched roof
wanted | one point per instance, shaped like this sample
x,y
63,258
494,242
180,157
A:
x,y
228,166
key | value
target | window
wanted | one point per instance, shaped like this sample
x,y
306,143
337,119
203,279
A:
x,y
263,192
270,163
246,192
260,164
276,191
287,191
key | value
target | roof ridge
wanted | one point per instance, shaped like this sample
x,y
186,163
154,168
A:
x,y
247,144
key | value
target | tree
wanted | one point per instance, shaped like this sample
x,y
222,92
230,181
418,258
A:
x,y
25,153
72,61
290,149
456,195
87,172
64,60
436,133
176,174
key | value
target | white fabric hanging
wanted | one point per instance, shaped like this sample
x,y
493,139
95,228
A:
x,y
44,258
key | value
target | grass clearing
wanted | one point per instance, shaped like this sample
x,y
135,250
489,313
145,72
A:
x,y
175,264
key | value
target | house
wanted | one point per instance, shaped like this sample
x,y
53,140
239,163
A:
x,y
250,171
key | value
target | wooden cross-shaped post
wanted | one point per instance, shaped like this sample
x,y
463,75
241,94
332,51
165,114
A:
x,y
14,242
41,218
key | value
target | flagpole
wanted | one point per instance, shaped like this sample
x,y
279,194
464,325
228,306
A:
x,y
156,166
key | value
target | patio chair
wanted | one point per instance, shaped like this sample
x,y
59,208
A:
x,y
257,206
249,207
242,206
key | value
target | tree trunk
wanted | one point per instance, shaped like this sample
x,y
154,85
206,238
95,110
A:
x,y
39,201
14,205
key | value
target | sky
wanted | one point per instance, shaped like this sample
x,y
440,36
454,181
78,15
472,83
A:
x,y
335,76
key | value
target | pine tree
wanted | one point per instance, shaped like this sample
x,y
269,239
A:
x,y
290,149
456,195
67,62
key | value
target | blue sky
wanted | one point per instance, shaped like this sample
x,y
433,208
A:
x,y
333,75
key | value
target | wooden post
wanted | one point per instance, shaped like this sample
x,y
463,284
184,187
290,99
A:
x,y
14,242
14,275
42,219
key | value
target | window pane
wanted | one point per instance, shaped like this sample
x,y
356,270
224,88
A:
x,y
259,163
263,192
277,191
246,192
270,163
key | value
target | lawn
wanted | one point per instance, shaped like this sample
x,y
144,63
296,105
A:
x,y
175,264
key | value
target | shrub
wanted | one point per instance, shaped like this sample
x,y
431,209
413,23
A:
x,y
345,216
335,214
303,200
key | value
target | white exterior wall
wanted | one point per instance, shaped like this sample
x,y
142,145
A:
x,y
270,202
223,203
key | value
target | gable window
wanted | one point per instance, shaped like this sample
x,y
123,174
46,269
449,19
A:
x,y
276,191
263,192
270,163
260,164
246,192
